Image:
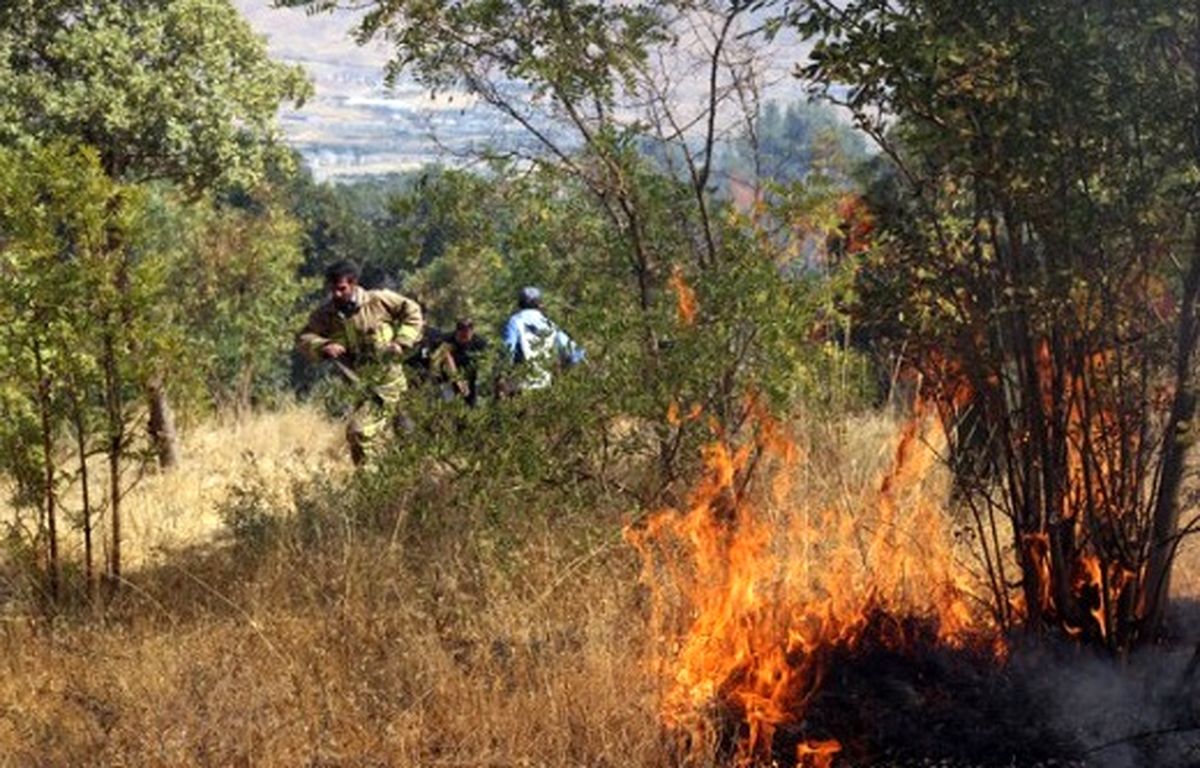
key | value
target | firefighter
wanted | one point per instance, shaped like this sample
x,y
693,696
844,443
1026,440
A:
x,y
365,335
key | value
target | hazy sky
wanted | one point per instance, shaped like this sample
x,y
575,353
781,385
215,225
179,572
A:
x,y
294,35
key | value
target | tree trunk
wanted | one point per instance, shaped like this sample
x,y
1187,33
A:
x,y
1180,428
86,490
119,317
116,444
162,426
1180,433
53,569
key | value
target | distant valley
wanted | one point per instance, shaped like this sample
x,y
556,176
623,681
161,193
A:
x,y
355,125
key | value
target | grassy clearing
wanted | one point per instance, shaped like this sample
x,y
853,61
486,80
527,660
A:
x,y
322,640
362,657
165,512
269,450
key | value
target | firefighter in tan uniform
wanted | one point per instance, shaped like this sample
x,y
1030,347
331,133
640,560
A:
x,y
365,334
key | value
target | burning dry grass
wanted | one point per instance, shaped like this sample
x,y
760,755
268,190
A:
x,y
799,622
755,590
458,639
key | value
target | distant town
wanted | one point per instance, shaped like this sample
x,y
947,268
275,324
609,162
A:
x,y
355,125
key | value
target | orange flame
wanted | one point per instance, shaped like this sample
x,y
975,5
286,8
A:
x,y
675,418
856,224
1100,437
1089,578
817,754
752,590
686,305
1037,546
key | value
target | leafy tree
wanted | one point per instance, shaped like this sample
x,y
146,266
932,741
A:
x,y
351,219
238,314
794,141
79,310
448,229
1041,256
156,86
605,213
157,89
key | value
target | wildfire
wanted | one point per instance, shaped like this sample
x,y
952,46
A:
x,y
1078,550
818,754
685,295
754,590
675,418
1100,437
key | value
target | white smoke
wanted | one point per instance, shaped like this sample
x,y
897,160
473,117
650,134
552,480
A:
x,y
1142,711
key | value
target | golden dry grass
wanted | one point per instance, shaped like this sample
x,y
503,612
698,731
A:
x,y
366,649
166,511
179,508
349,662
1185,579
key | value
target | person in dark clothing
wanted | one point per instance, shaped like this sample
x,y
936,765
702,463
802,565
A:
x,y
419,361
456,361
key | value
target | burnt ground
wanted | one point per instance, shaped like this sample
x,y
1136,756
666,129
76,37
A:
x,y
919,700
919,703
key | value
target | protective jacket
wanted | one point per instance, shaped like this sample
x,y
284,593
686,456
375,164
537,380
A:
x,y
378,318
374,320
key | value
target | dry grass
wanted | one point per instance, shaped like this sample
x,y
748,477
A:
x,y
180,508
164,512
424,643
1185,579
433,642
349,662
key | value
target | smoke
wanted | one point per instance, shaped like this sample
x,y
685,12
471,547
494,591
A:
x,y
1138,712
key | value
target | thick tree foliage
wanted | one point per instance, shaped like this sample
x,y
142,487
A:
x,y
120,123
163,89
85,312
624,207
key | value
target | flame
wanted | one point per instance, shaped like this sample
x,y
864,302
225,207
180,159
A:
x,y
676,419
817,754
1097,435
857,224
686,305
1089,580
1100,437
752,590
1037,548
